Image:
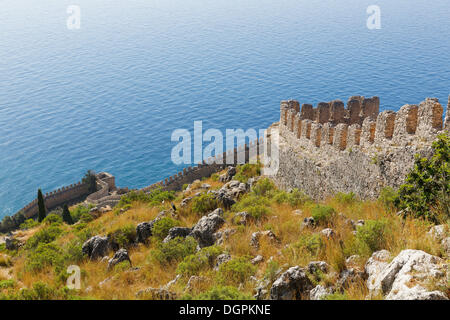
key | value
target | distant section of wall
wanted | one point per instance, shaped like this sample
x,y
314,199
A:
x,y
239,155
333,148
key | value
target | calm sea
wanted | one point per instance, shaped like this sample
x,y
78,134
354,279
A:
x,y
108,96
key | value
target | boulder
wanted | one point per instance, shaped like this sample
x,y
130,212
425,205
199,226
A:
x,y
119,256
222,258
11,243
96,247
231,172
185,201
376,263
437,232
407,275
177,232
328,233
348,278
291,285
224,198
205,228
256,236
308,222
257,259
314,266
222,236
446,245
242,218
143,231
319,292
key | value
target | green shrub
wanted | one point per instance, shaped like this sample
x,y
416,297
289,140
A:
x,y
204,203
154,198
345,198
271,270
310,243
214,177
86,217
257,206
185,186
123,236
5,284
235,271
372,236
52,219
426,192
293,198
29,224
42,291
5,261
73,251
202,260
46,235
221,293
161,227
247,171
335,296
388,197
322,214
174,250
78,212
263,187
46,254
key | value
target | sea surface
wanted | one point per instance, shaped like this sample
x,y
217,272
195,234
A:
x,y
109,95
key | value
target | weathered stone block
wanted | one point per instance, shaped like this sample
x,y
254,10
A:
x,y
316,130
337,112
297,126
340,136
307,112
354,109
368,132
327,133
447,117
306,129
370,107
323,112
385,125
354,135
430,117
405,123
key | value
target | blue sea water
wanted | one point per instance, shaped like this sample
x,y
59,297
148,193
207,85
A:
x,y
108,96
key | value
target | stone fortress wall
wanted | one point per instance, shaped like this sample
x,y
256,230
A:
x,y
108,194
333,148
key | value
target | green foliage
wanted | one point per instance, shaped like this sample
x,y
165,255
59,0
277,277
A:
x,y
154,198
312,244
174,250
91,180
5,261
263,187
46,254
42,291
293,198
67,218
426,192
41,206
5,284
123,236
235,271
204,203
345,198
52,219
214,177
335,296
7,224
185,186
387,198
161,227
122,266
271,270
221,293
200,261
372,236
247,171
29,224
79,211
86,217
46,235
257,206
322,214
73,251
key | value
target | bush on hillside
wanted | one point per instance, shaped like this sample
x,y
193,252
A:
x,y
174,250
161,227
235,271
204,203
322,214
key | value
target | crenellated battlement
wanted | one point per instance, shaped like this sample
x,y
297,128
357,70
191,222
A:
x,y
336,148
360,123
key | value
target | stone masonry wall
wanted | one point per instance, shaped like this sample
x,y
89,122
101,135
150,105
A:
x,y
332,149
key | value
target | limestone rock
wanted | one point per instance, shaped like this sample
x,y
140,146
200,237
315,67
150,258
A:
x,y
328,233
195,281
143,231
222,236
242,218
406,276
446,245
308,222
376,263
257,259
437,232
177,232
96,247
314,266
256,236
292,284
319,292
205,228
120,256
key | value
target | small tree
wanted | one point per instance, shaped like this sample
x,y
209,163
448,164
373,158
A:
x,y
67,218
41,205
90,179
427,189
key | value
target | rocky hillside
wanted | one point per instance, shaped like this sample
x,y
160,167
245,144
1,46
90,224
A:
x,y
232,236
